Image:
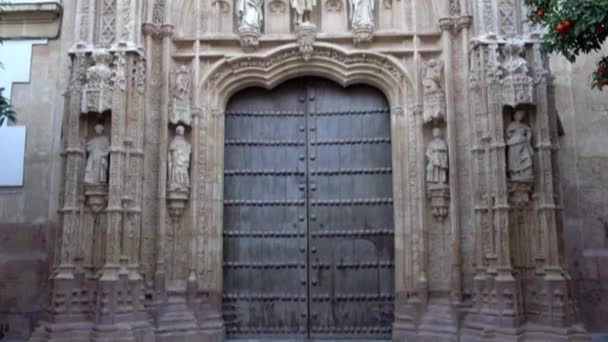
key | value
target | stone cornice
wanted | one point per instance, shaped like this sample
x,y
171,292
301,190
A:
x,y
31,20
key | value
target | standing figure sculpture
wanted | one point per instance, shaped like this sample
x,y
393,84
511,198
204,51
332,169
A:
x,y
437,159
519,148
98,149
250,15
179,162
303,10
362,12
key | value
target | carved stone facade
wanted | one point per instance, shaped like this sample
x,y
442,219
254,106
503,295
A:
x,y
477,224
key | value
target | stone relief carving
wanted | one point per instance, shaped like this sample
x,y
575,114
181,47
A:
x,y
84,23
250,20
517,83
140,77
108,22
119,76
283,56
434,96
181,89
158,12
437,175
302,10
98,149
97,91
519,148
179,162
362,20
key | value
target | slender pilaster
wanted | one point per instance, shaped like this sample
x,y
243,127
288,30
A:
x,y
166,33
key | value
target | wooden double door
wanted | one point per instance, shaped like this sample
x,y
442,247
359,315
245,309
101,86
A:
x,y
308,213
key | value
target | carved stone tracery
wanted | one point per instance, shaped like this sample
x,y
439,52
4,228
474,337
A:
x,y
181,90
98,89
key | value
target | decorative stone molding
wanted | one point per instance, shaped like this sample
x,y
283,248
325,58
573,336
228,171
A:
x,y
96,197
151,29
455,24
97,91
306,34
119,77
166,30
31,20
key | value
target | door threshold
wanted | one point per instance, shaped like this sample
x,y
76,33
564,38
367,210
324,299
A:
x,y
279,339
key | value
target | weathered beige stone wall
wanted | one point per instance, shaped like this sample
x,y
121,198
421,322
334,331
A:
x,y
39,105
584,173
25,255
28,214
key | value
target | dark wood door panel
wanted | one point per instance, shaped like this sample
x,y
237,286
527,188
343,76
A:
x,y
308,220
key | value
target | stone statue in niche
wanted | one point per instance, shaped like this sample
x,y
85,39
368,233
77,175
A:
x,y
362,12
437,159
437,175
179,162
250,14
98,149
97,91
251,17
434,97
519,148
517,84
362,20
302,10
181,88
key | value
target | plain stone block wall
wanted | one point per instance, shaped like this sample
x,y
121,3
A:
x,y
25,254
584,174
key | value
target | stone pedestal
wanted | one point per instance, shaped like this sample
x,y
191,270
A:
x,y
176,203
363,35
306,34
96,197
250,40
439,195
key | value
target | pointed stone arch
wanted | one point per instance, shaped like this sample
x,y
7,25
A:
x,y
329,61
227,76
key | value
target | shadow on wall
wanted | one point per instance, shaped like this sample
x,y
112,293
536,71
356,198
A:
x,y
25,255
